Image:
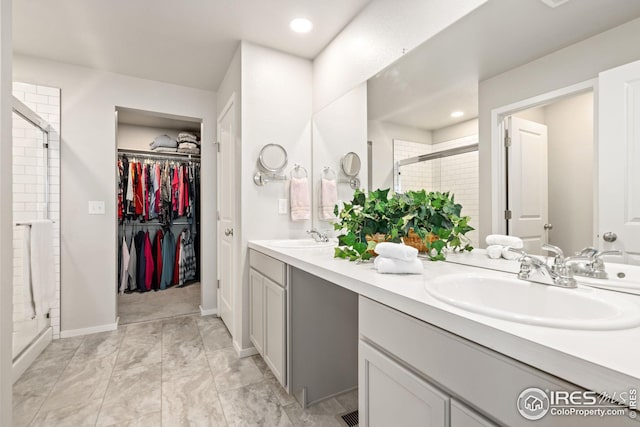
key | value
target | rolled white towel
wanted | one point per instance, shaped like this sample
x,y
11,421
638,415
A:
x,y
397,251
396,266
494,251
507,254
503,240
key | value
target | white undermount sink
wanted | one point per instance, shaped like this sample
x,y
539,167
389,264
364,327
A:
x,y
301,243
536,304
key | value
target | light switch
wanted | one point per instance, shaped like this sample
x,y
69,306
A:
x,y
282,206
96,207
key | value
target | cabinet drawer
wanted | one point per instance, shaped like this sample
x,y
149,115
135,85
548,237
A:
x,y
462,416
269,267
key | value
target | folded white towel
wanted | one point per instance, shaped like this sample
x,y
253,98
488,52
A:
x,y
503,240
43,284
300,200
507,254
397,251
328,198
395,266
494,251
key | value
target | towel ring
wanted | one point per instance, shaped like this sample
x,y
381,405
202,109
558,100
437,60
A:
x,y
329,173
299,172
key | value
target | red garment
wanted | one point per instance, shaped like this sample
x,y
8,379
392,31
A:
x,y
158,256
148,260
121,189
139,201
181,191
176,267
145,189
185,193
158,196
174,190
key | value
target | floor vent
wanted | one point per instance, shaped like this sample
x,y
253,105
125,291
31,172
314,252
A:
x,y
350,419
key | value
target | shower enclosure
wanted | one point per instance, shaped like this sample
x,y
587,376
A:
x,y
451,166
33,180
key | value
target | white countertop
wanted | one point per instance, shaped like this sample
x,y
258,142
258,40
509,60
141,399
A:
x,y
607,360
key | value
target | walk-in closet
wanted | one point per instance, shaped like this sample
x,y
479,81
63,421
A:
x,y
158,215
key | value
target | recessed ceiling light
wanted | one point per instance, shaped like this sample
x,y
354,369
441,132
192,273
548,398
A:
x,y
457,114
301,25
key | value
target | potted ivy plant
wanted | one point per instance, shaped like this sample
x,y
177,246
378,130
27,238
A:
x,y
429,221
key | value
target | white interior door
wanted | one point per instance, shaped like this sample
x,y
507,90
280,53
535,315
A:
x,y
619,160
226,213
527,188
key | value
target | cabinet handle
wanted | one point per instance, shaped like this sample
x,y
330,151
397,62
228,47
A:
x,y
228,232
610,237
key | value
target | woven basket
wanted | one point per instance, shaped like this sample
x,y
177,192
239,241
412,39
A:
x,y
415,241
378,238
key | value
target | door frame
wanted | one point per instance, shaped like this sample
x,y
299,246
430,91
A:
x,y
498,152
231,102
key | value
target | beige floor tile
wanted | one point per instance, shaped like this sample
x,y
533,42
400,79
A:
x,y
191,401
253,405
322,414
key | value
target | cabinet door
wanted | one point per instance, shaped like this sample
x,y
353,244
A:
x,y
391,395
256,313
274,330
462,416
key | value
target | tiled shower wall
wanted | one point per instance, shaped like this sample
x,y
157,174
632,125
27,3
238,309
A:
x,y
29,187
457,174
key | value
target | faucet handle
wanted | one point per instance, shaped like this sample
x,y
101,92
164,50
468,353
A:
x,y
600,254
555,249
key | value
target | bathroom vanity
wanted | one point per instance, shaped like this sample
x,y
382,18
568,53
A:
x,y
419,358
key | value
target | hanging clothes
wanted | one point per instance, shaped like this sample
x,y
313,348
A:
x,y
133,264
187,258
148,262
141,268
168,256
176,261
157,259
124,269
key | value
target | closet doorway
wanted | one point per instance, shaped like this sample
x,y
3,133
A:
x,y
158,215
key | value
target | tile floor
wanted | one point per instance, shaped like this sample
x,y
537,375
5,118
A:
x,y
175,372
143,307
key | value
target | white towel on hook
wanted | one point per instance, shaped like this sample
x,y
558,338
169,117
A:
x,y
43,283
26,274
328,198
300,200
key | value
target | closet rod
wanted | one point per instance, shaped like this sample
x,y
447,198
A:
x,y
151,224
160,156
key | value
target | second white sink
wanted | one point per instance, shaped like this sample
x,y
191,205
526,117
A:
x,y
535,304
301,243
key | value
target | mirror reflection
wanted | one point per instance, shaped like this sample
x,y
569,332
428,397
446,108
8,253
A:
x,y
351,164
273,158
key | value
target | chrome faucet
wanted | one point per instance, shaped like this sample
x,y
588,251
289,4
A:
x,y
318,236
559,274
589,263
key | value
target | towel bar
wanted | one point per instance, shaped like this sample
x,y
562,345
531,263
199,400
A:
x,y
27,224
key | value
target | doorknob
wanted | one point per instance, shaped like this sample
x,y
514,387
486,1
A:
x,y
548,226
228,232
610,237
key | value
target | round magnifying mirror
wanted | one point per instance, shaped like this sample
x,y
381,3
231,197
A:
x,y
351,164
273,158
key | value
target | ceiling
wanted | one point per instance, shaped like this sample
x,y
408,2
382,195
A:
x,y
440,76
185,42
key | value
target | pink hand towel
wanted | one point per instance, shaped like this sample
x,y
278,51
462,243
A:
x,y
328,199
300,200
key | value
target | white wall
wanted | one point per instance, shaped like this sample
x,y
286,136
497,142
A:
x,y
576,63
382,135
88,159
29,186
6,230
276,108
570,138
376,37
338,129
457,131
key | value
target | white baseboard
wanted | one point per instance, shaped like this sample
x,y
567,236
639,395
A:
x,y
86,331
244,352
25,360
208,312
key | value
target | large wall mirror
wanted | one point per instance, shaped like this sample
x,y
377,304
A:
x,y
432,118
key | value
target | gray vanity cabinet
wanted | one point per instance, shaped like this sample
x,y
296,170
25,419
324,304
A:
x,y
267,316
415,372
415,401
